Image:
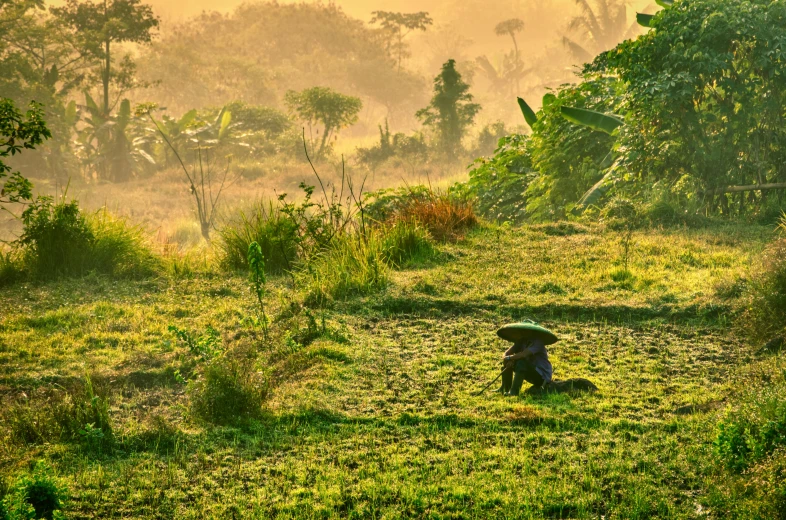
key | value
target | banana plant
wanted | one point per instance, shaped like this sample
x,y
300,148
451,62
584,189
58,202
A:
x,y
176,131
109,145
599,121
645,20
219,132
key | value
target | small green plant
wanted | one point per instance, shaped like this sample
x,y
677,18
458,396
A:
x,y
206,346
755,430
36,495
256,267
623,216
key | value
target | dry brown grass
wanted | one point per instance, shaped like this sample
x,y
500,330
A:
x,y
162,205
446,218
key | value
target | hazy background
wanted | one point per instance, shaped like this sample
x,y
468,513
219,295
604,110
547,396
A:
x,y
463,30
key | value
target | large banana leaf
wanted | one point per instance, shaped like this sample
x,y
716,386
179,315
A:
x,y
91,104
226,119
124,114
665,3
70,114
645,20
596,120
529,114
187,119
595,193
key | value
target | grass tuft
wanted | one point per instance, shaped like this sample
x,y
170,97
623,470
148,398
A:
x,y
266,225
353,266
228,393
447,218
59,240
764,316
405,242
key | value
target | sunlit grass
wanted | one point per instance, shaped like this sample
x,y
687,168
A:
x,y
386,425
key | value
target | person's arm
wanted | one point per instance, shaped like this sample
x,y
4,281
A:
x,y
530,350
524,354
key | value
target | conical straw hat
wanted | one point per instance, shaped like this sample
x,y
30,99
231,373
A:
x,y
526,329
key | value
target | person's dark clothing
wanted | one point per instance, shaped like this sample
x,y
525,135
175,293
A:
x,y
535,369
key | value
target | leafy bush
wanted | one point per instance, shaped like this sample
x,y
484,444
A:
x,y
37,495
59,240
498,184
274,231
764,316
756,429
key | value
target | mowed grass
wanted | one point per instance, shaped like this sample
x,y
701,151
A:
x,y
386,425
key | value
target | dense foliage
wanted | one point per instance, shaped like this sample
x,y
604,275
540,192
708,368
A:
x,y
18,132
451,110
702,97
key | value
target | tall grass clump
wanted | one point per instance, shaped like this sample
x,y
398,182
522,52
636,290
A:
x,y
228,392
446,216
79,413
60,240
10,270
274,231
406,241
354,265
764,316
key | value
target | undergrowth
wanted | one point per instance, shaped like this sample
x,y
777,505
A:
x,y
59,240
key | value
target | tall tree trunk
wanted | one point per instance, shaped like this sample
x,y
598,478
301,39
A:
x,y
516,54
107,71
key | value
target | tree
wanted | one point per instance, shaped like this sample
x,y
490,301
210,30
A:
x,y
101,25
599,28
511,27
398,26
323,105
705,97
451,109
18,132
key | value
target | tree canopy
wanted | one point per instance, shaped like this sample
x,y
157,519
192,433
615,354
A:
x,y
451,110
322,105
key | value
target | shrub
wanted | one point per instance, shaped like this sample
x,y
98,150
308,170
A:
x,y
228,392
267,225
764,316
756,429
59,240
498,183
37,495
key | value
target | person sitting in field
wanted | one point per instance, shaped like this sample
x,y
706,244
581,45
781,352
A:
x,y
528,359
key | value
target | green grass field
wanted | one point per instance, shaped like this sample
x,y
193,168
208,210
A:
x,y
380,421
